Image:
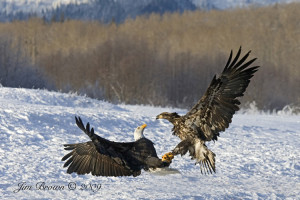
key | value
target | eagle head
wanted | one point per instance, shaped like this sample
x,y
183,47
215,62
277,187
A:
x,y
168,116
139,132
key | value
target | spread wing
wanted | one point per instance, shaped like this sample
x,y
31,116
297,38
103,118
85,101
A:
x,y
214,111
103,145
100,156
84,158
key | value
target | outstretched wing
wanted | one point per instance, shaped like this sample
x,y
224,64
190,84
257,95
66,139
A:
x,y
100,156
103,145
214,111
84,158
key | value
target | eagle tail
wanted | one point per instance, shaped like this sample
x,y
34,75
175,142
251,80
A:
x,y
205,158
199,152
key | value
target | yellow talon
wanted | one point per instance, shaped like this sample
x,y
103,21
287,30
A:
x,y
167,157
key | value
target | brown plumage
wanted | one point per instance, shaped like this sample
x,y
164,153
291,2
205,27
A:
x,y
212,113
102,157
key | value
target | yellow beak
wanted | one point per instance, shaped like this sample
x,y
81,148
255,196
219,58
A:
x,y
159,117
144,126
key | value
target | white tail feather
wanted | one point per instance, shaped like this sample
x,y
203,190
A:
x,y
205,158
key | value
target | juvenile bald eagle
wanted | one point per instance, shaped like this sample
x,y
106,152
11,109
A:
x,y
212,113
102,157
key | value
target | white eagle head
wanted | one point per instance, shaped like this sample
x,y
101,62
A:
x,y
139,132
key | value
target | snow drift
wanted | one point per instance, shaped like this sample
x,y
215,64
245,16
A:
x,y
257,156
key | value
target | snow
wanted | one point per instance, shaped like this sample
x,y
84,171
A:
x,y
258,156
229,4
39,5
34,5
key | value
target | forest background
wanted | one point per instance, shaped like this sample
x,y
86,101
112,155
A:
x,y
161,60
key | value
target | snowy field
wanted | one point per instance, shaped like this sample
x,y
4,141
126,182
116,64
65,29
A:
x,y
258,157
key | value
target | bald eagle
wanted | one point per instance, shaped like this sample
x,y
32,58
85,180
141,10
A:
x,y
102,157
212,113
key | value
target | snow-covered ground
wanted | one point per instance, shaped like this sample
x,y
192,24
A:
x,y
258,157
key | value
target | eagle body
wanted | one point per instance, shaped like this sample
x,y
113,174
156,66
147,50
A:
x,y
213,113
184,130
102,157
143,155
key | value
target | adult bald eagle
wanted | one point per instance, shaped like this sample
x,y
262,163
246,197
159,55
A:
x,y
212,113
102,157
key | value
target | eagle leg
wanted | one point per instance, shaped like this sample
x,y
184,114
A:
x,y
182,148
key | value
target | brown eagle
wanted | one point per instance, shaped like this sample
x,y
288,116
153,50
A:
x,y
102,157
212,113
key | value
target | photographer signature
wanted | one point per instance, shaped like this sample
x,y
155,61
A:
x,y
22,186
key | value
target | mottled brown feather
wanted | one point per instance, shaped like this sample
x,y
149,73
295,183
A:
x,y
213,113
219,103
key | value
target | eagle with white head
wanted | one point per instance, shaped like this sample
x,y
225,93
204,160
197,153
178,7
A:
x,y
102,157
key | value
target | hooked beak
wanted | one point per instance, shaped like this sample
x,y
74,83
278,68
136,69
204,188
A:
x,y
144,126
159,117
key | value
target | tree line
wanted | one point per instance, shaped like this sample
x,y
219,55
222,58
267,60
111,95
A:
x,y
166,60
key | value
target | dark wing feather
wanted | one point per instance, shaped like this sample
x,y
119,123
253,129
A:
x,y
214,111
100,156
84,158
107,147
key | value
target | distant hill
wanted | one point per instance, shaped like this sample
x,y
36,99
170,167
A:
x,y
108,10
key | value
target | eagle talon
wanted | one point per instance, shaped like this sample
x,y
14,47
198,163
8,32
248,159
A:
x,y
168,157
